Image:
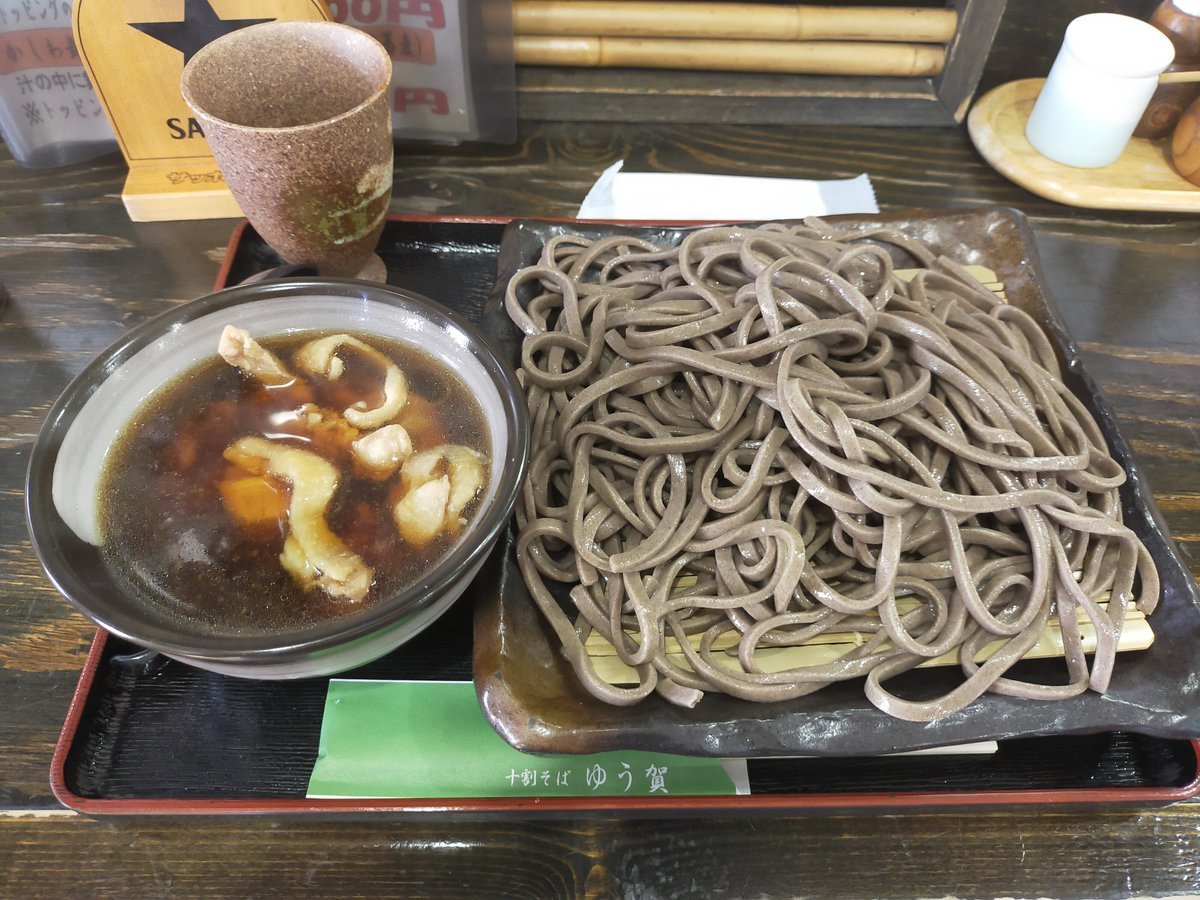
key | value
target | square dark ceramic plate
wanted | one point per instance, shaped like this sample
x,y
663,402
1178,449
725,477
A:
x,y
531,696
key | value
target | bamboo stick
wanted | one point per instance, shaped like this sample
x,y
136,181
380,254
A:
x,y
800,58
633,18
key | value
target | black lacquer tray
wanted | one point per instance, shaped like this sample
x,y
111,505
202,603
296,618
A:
x,y
145,734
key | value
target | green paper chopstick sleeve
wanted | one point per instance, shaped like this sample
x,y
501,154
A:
x,y
429,739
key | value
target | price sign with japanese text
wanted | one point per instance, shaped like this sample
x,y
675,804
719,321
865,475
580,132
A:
x,y
49,113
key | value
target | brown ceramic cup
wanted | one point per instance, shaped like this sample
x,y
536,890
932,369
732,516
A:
x,y
297,116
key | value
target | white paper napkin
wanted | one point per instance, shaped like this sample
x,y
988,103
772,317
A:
x,y
671,197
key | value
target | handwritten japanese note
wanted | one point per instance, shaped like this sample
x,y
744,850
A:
x,y
424,739
49,112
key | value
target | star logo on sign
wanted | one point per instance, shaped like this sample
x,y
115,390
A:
x,y
200,26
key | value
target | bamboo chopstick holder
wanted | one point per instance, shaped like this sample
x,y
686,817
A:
x,y
796,58
633,18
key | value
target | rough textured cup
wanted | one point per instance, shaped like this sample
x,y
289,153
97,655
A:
x,y
296,114
1098,88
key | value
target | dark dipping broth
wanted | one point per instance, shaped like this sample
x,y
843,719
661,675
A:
x,y
169,538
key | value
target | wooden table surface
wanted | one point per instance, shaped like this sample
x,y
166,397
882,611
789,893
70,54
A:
x,y
79,273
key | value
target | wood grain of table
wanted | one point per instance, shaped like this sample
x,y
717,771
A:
x,y
79,273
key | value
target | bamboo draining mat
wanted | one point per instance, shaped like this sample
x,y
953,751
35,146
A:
x,y
1136,634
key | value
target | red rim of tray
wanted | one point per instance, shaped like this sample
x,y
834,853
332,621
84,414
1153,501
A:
x,y
761,803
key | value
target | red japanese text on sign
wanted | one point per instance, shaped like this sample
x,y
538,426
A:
x,y
368,12
431,98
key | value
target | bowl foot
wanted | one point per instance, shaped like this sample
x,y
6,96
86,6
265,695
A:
x,y
374,269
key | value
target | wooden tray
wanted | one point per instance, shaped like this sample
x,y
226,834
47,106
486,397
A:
x,y
1141,179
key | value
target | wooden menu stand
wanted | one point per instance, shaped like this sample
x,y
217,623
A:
x,y
134,53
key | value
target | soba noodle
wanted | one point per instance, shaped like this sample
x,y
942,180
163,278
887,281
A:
x,y
765,433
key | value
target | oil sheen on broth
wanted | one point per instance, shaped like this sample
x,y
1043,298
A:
x,y
200,537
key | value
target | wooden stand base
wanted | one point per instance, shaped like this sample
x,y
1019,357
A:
x,y
178,189
134,54
1141,179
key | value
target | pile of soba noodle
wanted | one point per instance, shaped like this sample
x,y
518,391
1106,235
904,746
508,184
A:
x,y
765,433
